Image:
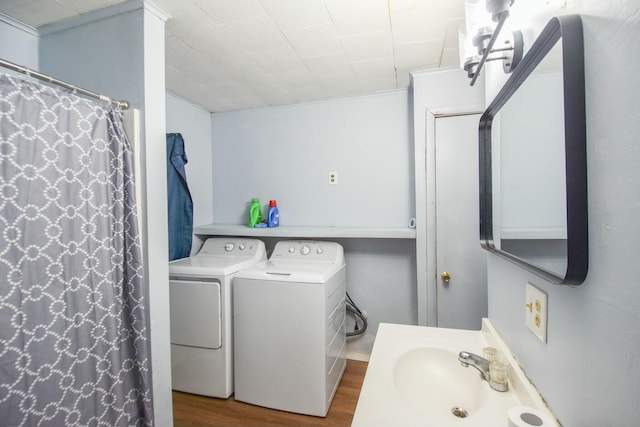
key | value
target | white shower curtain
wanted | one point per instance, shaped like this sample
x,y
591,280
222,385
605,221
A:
x,y
74,347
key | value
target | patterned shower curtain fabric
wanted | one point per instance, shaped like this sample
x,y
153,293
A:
x,y
74,347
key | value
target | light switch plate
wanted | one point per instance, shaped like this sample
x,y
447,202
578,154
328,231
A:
x,y
536,311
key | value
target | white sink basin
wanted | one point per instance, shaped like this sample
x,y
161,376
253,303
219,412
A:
x,y
414,378
432,382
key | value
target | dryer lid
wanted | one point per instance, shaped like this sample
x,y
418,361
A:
x,y
220,256
209,265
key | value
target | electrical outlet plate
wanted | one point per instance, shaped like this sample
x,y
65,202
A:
x,y
536,311
333,177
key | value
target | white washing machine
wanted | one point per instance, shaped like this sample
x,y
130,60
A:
x,y
201,316
289,328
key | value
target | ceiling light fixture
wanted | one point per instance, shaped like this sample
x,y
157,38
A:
x,y
480,41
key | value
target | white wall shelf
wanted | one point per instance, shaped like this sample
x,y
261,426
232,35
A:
x,y
307,232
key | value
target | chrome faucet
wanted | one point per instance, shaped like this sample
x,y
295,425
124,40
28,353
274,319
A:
x,y
482,365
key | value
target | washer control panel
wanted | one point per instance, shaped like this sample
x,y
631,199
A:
x,y
307,250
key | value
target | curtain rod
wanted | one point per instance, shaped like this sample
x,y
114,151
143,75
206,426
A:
x,y
40,76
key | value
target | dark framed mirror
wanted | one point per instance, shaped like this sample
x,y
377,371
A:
x,y
533,160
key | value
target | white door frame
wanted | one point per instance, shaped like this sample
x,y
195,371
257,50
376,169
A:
x,y
427,274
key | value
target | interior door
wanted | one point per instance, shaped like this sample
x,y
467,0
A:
x,y
461,262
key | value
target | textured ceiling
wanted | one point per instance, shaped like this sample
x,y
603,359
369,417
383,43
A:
x,y
228,55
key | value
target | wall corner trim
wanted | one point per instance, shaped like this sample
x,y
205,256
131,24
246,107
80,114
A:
x,y
153,8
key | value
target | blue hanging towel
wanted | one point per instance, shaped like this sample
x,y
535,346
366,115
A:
x,y
179,199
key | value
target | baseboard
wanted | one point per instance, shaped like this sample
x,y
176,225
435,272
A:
x,y
360,357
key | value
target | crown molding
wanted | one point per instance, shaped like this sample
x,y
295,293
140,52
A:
x,y
101,14
19,25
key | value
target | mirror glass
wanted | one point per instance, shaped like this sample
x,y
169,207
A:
x,y
527,135
529,186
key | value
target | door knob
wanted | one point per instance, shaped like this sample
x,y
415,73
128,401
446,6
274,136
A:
x,y
445,276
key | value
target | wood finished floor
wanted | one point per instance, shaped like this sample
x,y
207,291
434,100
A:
x,y
190,410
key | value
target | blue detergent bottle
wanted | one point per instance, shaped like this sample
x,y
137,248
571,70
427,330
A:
x,y
273,217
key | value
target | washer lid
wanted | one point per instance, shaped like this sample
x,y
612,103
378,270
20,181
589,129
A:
x,y
292,271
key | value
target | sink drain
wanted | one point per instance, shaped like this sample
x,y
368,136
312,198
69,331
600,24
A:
x,y
459,412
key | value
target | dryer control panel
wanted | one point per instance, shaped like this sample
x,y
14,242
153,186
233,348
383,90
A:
x,y
308,250
226,246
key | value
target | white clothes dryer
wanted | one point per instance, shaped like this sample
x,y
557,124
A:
x,y
289,328
201,316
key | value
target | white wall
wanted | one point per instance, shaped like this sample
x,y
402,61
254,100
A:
x,y
381,280
285,153
74,51
589,369
19,43
119,51
194,123
156,239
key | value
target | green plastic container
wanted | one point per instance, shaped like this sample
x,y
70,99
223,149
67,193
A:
x,y
255,212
